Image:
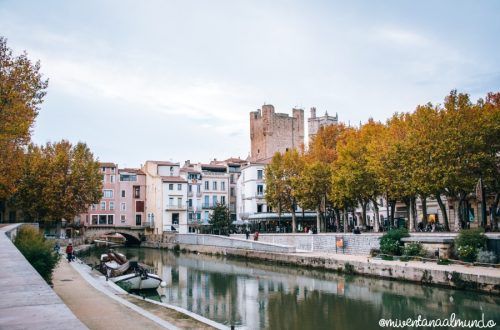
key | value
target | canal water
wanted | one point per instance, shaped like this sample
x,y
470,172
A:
x,y
257,295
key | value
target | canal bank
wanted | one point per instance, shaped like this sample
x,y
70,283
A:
x,y
100,304
484,279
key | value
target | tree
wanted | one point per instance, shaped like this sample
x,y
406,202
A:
x,y
312,187
58,181
22,89
220,219
281,185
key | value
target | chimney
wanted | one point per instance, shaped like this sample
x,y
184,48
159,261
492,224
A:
x,y
313,112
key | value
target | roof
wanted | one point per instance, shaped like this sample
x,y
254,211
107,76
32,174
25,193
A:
x,y
131,170
107,164
173,179
163,162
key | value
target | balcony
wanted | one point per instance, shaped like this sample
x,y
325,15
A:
x,y
174,207
208,206
198,194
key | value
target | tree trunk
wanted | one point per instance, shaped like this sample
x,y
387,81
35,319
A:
x,y
456,222
337,220
294,221
393,209
376,224
423,198
363,212
346,216
493,211
318,220
443,212
410,215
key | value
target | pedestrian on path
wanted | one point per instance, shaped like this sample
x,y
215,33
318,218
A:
x,y
57,247
69,252
247,233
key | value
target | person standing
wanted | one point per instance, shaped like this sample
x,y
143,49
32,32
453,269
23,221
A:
x,y
247,233
69,252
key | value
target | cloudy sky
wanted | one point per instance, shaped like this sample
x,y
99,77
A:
x,y
175,80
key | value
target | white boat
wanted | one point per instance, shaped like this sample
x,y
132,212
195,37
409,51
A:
x,y
138,281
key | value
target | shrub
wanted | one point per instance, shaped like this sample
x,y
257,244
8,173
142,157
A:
x,y
404,258
443,262
468,242
487,257
386,257
39,252
390,242
414,249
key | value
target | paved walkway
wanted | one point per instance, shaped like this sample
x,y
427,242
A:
x,y
26,300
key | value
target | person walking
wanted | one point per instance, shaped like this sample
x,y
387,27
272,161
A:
x,y
247,233
69,252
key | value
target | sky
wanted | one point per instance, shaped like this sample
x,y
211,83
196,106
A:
x,y
176,80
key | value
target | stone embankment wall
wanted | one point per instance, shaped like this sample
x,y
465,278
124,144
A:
x,y
353,244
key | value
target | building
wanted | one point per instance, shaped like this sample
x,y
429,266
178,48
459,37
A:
x,y
123,198
272,132
174,196
156,204
315,123
250,191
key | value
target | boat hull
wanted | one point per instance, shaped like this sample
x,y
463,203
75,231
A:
x,y
138,282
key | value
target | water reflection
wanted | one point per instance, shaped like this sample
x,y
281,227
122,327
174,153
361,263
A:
x,y
257,295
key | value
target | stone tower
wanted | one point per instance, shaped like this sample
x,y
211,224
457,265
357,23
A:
x,y
315,123
272,132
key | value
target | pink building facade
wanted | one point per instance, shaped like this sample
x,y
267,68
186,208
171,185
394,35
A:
x,y
123,199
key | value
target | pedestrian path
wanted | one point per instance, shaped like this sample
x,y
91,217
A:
x,y
94,308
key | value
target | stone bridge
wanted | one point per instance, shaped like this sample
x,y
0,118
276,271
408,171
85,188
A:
x,y
134,235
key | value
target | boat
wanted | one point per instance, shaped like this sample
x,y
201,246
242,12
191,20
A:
x,y
128,274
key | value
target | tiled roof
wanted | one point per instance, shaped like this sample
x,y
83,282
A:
x,y
162,162
107,164
173,179
131,170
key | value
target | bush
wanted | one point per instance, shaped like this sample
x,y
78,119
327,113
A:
x,y
39,252
443,262
390,242
469,242
487,257
414,249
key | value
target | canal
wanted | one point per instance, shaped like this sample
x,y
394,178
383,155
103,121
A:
x,y
257,295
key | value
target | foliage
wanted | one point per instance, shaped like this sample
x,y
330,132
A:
x,y
413,249
38,251
387,257
57,181
220,219
443,262
282,186
487,257
22,90
390,242
469,242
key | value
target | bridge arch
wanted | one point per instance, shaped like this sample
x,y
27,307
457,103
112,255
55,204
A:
x,y
133,235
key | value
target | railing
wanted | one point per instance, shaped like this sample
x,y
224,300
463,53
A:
x,y
207,206
175,207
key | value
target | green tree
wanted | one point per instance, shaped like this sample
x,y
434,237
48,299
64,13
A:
x,y
22,89
58,181
220,219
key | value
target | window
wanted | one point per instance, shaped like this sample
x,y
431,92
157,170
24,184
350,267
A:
x,y
214,198
111,206
260,190
102,219
190,188
111,218
207,201
112,178
206,215
190,202
139,206
123,193
108,193
259,208
123,207
104,178
206,185
123,218
259,174
190,216
179,201
137,192
103,206
198,216
128,177
175,218
171,201
232,191
223,185
138,219
214,185
170,186
179,186
223,200
94,207
94,219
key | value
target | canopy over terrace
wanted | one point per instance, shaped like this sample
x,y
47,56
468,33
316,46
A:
x,y
273,222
